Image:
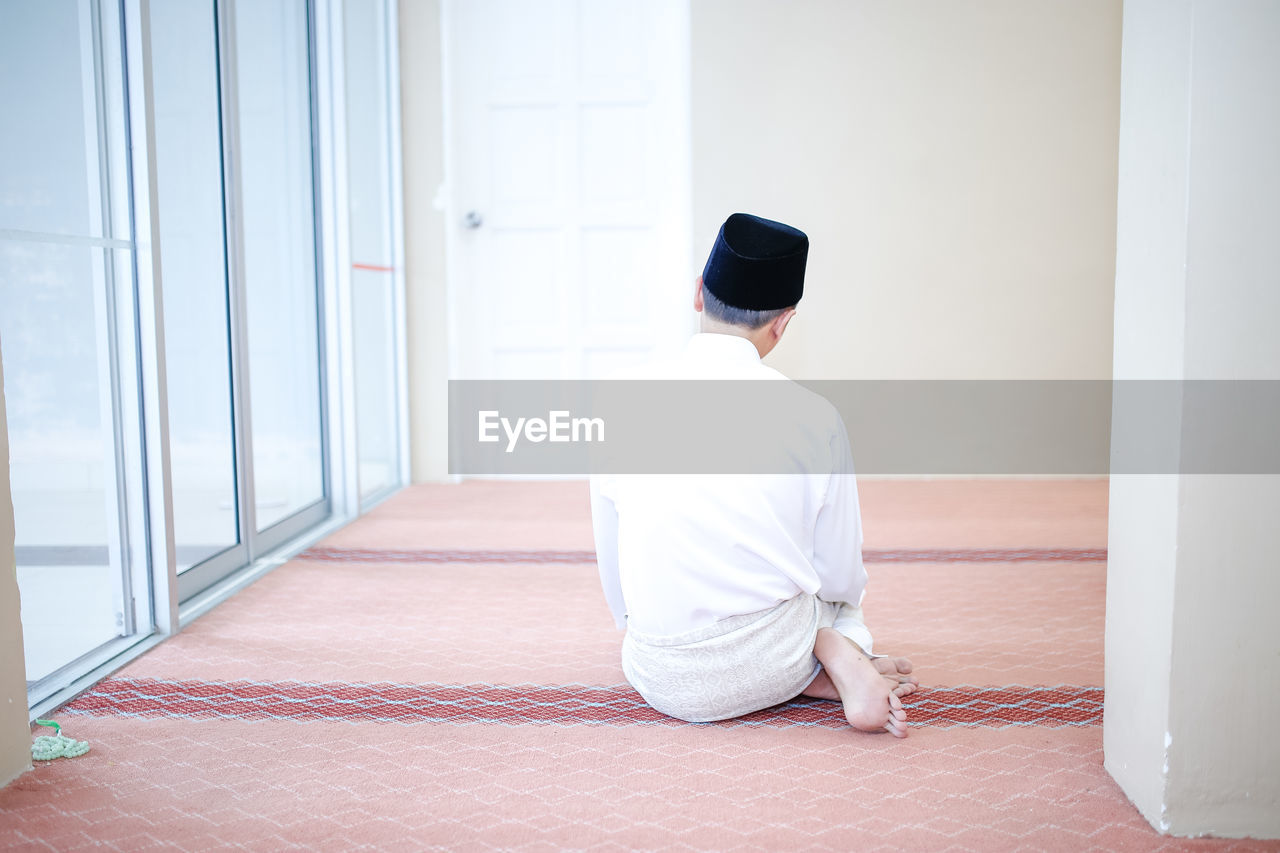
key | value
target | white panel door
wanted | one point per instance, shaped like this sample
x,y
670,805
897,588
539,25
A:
x,y
568,184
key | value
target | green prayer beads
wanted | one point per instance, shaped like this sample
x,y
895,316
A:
x,y
57,745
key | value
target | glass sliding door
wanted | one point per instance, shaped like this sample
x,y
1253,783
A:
x,y
234,129
171,357
376,338
68,335
197,316
277,186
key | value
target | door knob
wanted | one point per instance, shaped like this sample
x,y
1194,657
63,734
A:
x,y
473,219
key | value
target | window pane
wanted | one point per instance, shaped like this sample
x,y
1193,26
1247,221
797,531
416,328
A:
x,y
193,266
62,450
372,309
279,255
373,275
50,179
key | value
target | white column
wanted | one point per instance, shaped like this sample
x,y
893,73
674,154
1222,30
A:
x,y
15,729
422,93
1193,580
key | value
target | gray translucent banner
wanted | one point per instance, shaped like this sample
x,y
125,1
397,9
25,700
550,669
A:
x,y
1048,428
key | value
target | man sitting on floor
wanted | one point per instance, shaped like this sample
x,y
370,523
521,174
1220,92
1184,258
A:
x,y
738,592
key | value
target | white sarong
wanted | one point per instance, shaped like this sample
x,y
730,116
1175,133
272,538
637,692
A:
x,y
739,664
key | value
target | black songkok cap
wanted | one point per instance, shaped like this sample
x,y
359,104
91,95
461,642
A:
x,y
757,264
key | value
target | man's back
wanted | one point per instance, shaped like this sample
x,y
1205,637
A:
x,y
679,552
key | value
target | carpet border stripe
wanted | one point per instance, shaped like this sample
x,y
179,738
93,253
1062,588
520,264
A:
x,y
870,555
616,705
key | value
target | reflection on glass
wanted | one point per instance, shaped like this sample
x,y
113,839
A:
x,y
372,276
279,256
193,266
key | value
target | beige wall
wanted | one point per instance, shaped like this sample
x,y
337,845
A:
x,y
15,731
422,141
954,164
1193,673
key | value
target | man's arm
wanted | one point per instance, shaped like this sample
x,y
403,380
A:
x,y
837,539
604,523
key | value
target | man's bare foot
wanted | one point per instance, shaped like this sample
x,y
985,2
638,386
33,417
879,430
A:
x,y
897,671
870,703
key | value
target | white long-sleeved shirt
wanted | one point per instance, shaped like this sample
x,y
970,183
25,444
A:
x,y
680,552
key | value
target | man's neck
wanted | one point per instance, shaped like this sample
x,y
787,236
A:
x,y
759,338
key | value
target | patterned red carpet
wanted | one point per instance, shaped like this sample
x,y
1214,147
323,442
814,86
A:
x,y
443,674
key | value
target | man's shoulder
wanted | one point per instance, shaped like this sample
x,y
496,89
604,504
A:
x,y
815,408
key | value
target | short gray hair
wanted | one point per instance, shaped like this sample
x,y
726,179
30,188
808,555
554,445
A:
x,y
716,309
